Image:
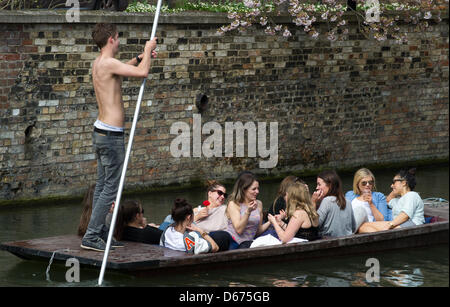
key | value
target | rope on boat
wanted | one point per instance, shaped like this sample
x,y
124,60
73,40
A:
x,y
47,271
435,201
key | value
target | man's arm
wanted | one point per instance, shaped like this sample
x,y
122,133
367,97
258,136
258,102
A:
x,y
134,60
116,67
141,71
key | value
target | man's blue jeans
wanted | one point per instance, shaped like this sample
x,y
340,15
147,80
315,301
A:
x,y
110,152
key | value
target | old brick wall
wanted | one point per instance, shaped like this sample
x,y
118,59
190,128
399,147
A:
x,y
337,104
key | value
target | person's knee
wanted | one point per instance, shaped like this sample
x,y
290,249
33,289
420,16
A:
x,y
365,228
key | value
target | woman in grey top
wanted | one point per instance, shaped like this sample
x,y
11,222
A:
x,y
335,213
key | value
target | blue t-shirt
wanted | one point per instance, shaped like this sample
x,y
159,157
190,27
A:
x,y
410,203
378,199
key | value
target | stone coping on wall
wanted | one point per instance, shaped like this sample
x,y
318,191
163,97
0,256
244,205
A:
x,y
59,16
86,16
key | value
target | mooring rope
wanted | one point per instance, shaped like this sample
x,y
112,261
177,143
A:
x,y
47,271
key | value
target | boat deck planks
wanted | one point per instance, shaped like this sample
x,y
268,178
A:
x,y
68,246
138,257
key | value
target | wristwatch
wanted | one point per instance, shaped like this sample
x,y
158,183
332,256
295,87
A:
x,y
391,226
204,234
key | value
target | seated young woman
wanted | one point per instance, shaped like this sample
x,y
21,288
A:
x,y
280,202
364,195
245,212
185,236
303,220
85,217
407,205
335,213
86,211
211,217
131,224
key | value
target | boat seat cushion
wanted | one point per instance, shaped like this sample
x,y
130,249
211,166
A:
x,y
431,219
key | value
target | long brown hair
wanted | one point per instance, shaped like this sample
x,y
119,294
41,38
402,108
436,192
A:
x,y
244,181
298,198
87,210
334,184
127,214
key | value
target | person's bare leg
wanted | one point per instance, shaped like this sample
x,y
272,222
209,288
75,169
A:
x,y
372,227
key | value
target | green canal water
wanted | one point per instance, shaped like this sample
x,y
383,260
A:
x,y
418,267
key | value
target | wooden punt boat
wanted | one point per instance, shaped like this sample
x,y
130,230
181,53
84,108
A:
x,y
138,258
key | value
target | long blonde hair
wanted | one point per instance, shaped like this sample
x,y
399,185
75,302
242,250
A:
x,y
283,188
360,174
298,198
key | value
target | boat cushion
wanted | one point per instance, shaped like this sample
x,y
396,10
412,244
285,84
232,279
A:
x,y
431,219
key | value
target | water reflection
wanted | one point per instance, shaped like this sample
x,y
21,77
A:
x,y
399,269
405,278
284,283
360,280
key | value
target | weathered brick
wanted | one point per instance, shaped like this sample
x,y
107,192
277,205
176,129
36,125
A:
x,y
342,103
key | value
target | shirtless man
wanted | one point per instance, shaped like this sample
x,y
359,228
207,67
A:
x,y
108,135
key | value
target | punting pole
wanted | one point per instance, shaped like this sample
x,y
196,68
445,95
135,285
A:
x,y
127,156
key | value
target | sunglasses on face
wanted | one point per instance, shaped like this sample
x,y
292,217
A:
x,y
395,180
364,183
221,193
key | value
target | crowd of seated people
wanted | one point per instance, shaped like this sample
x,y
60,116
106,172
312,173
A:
x,y
225,222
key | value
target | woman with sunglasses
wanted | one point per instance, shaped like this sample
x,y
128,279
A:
x,y
212,217
212,213
407,206
365,199
131,224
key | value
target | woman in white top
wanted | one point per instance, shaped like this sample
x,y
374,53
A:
x,y
185,236
407,206
368,205
212,217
